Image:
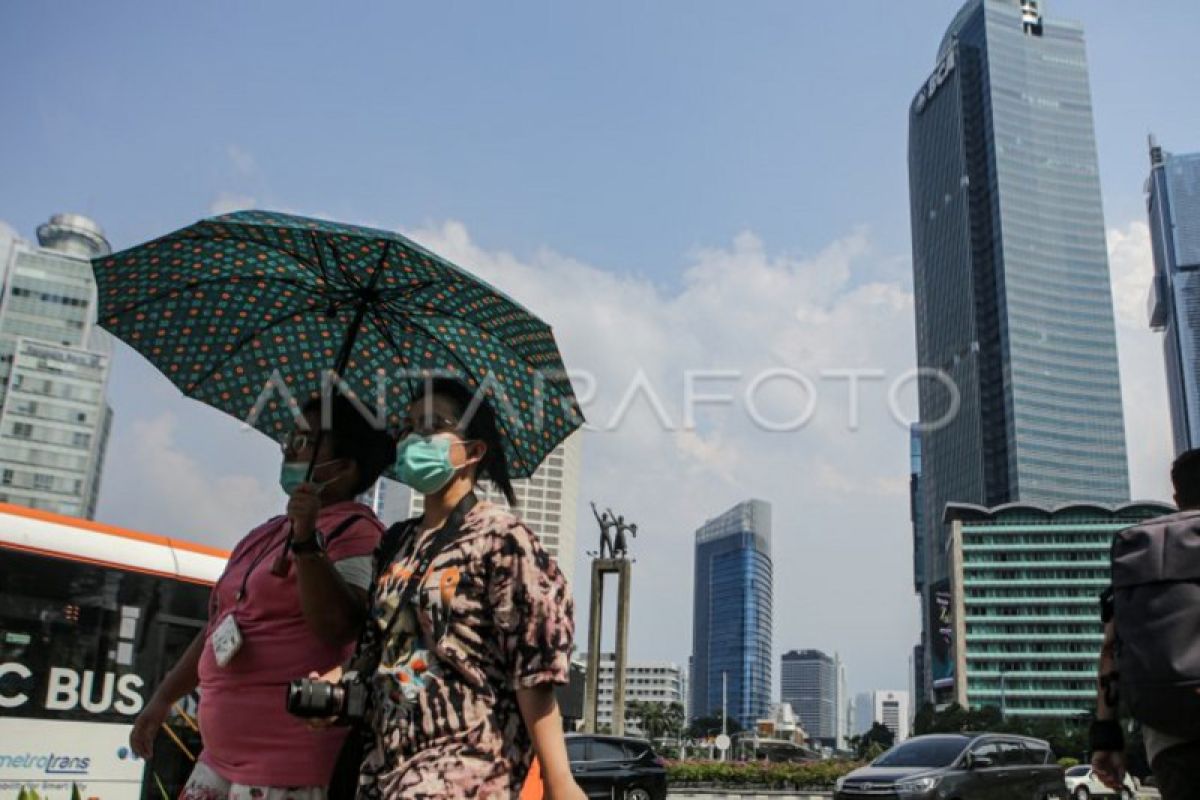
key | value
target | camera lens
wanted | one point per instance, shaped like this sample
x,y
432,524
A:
x,y
314,699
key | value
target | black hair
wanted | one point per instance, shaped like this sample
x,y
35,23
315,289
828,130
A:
x,y
355,437
1185,475
480,426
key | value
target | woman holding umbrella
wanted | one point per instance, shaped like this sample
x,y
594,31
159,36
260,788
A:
x,y
471,625
272,620
236,305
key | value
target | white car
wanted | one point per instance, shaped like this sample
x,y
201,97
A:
x,y
1082,783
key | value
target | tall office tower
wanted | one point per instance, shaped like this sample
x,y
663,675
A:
x,y
864,709
892,710
731,615
548,501
1173,201
1011,282
841,725
54,364
809,682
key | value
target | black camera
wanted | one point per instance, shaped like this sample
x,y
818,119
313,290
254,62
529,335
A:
x,y
345,701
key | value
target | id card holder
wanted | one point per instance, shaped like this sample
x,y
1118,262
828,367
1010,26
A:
x,y
226,640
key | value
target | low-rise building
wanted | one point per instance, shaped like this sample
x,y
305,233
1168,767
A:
x,y
1025,583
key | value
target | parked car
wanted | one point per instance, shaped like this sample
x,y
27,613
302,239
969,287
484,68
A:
x,y
959,766
616,767
1082,783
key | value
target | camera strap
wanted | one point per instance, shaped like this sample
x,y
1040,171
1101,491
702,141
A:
x,y
364,662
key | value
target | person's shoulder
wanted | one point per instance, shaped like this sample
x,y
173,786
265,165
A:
x,y
498,520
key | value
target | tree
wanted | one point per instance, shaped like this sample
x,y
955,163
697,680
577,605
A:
x,y
704,727
874,742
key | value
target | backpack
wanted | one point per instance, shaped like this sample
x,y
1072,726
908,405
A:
x,y
1156,611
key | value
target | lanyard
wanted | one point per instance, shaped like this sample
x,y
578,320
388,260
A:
x,y
266,547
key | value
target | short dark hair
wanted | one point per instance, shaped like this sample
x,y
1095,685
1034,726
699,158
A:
x,y
481,426
357,438
1185,475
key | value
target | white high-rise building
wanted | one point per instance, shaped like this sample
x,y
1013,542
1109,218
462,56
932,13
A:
x,y
842,709
548,501
54,365
651,681
389,500
892,709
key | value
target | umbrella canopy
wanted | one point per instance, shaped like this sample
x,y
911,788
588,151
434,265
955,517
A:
x,y
252,312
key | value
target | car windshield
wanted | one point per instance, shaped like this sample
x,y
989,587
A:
x,y
1076,772
935,752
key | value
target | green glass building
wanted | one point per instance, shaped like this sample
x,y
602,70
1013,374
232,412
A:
x,y
1025,583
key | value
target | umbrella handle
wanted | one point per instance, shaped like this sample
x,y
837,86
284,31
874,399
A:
x,y
282,564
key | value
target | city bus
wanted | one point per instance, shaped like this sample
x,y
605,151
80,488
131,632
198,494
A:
x,y
91,619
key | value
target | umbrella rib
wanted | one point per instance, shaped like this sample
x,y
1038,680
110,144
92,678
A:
x,y
316,246
194,385
497,339
387,335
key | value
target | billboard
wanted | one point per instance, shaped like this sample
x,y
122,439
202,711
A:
x,y
941,635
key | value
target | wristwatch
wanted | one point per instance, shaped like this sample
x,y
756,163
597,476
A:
x,y
309,546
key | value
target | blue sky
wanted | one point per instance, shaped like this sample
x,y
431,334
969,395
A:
x,y
645,142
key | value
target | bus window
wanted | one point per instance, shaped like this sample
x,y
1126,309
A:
x,y
81,648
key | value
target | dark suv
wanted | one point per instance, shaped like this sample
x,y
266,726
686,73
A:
x,y
616,767
959,766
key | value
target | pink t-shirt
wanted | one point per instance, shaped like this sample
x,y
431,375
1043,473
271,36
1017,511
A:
x,y
249,737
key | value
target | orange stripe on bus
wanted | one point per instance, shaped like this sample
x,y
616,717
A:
x,y
111,530
37,551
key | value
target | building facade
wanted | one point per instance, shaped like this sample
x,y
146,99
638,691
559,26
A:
x,y
731,615
841,726
1020,397
1173,203
1025,584
649,682
808,681
54,365
548,501
891,709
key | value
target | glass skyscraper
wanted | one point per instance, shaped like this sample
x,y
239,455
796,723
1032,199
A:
x,y
731,616
1011,281
1173,202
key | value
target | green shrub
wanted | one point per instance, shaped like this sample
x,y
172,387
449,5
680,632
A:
x,y
816,774
1067,763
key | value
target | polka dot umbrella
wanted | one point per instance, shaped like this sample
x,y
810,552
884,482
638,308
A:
x,y
252,312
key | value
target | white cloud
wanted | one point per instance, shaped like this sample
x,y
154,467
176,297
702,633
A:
x,y
150,483
228,202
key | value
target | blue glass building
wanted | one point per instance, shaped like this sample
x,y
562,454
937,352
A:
x,y
1011,281
1173,201
731,617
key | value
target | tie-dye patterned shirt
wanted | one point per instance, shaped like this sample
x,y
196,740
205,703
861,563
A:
x,y
493,614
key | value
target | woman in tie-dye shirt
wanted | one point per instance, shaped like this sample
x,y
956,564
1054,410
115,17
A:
x,y
463,695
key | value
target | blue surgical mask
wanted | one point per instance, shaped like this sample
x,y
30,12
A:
x,y
423,462
293,473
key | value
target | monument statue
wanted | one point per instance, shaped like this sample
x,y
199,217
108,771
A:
x,y
613,559
606,524
620,545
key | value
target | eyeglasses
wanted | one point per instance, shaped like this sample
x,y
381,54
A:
x,y
298,441
429,426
